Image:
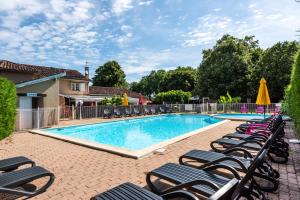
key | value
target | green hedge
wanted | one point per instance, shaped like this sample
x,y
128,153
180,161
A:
x,y
172,96
292,97
8,99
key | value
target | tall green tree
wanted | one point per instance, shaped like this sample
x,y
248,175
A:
x,y
150,84
292,94
226,67
275,66
182,78
8,99
110,75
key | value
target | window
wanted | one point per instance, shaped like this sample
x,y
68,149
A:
x,y
75,86
78,87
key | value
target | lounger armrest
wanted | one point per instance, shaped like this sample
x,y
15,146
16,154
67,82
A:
x,y
29,193
251,141
222,166
32,178
191,184
237,149
179,194
261,134
227,158
256,137
226,191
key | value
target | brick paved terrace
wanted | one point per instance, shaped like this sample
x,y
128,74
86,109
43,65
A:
x,y
82,172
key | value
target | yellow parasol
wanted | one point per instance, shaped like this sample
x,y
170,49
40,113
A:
x,y
263,94
125,100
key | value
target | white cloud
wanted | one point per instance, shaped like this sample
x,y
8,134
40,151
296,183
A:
x,y
16,10
121,6
145,3
66,31
217,9
268,22
209,29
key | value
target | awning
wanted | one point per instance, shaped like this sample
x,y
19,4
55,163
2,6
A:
x,y
83,98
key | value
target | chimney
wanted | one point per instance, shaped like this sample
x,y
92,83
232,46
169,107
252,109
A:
x,y
86,70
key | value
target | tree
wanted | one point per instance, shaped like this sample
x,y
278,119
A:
x,y
8,99
226,67
110,75
182,78
275,66
151,84
292,95
172,96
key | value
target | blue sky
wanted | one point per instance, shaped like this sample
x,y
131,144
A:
x,y
142,35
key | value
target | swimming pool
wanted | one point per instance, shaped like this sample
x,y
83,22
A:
x,y
240,116
135,135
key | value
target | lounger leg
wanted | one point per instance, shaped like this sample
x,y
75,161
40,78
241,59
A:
x,y
151,185
274,182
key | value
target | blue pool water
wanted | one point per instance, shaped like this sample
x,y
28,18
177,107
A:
x,y
137,134
244,116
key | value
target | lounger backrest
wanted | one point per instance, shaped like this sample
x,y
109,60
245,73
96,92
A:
x,y
249,175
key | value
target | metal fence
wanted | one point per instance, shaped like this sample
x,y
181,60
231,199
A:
x,y
36,118
46,117
84,112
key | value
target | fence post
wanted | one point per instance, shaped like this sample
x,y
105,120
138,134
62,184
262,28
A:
x,y
58,115
80,117
96,109
73,112
38,117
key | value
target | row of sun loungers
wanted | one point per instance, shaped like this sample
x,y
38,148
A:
x,y
244,161
260,109
238,167
127,112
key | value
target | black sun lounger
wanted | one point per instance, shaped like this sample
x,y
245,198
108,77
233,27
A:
x,y
242,164
255,143
10,164
222,144
136,111
253,121
129,191
146,111
128,112
205,181
10,181
278,142
162,110
272,125
117,113
242,135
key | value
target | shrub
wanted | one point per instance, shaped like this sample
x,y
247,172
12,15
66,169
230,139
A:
x,y
172,96
229,99
292,97
115,100
8,99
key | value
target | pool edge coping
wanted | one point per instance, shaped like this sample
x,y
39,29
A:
x,y
240,119
137,154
